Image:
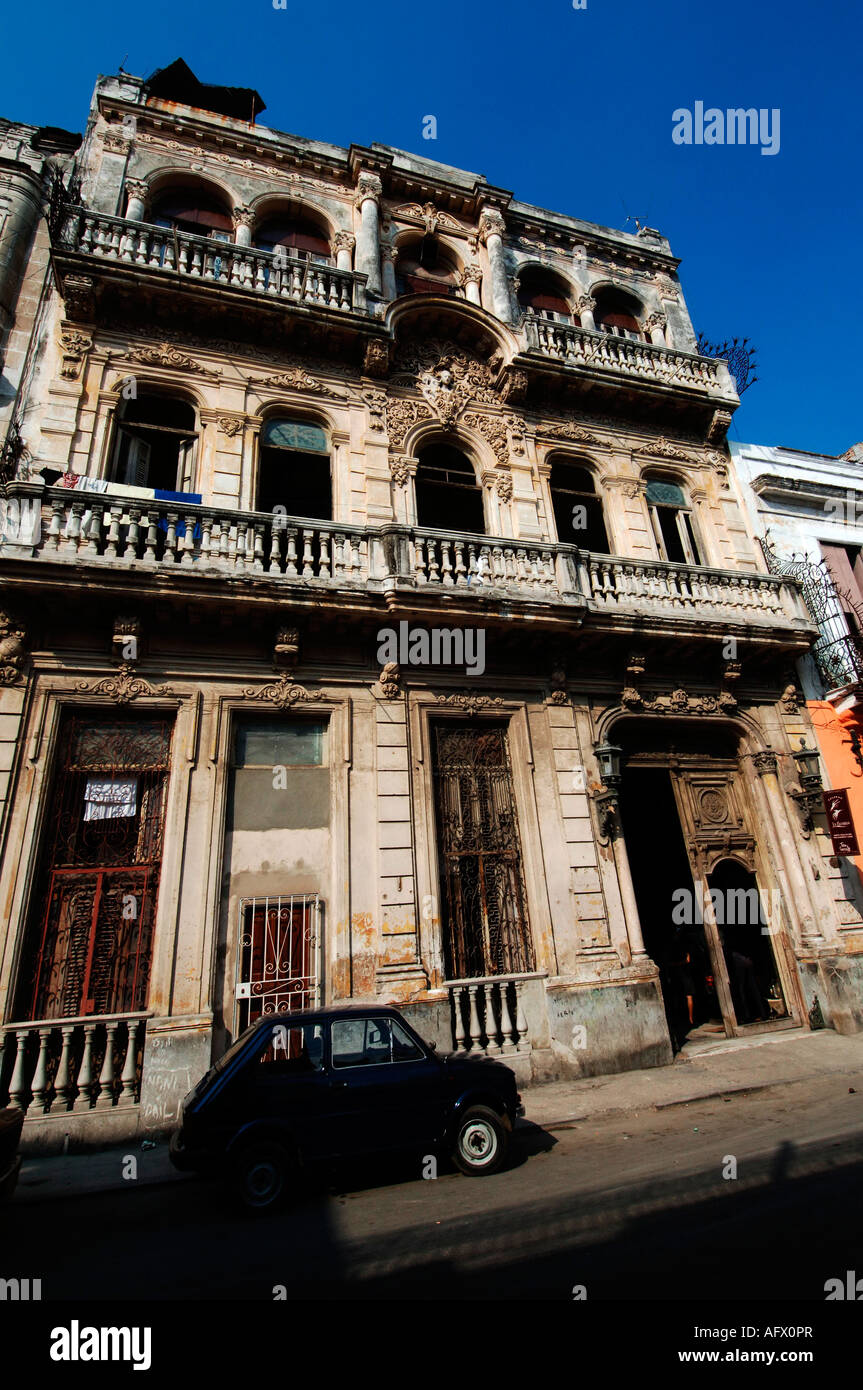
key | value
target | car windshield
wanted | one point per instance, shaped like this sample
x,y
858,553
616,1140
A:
x,y
235,1047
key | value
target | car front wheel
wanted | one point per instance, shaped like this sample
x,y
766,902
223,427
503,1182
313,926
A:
x,y
260,1176
480,1142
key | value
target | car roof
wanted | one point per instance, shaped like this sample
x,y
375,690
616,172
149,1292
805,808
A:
x,y
332,1012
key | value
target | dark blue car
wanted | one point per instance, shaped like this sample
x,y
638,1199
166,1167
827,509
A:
x,y
297,1090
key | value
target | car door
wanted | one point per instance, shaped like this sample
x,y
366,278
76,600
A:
x,y
285,1083
388,1090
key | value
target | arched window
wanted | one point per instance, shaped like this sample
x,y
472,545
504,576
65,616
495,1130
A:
x,y
617,312
577,509
448,495
196,210
154,443
542,292
425,267
299,235
672,522
294,469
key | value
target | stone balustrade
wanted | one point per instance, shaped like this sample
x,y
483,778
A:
x,y
488,1016
615,583
580,347
103,530
51,1066
139,244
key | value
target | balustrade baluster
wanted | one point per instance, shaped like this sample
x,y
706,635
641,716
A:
x,y
169,555
324,555
492,1046
308,568
291,568
433,567
188,542
64,1086
460,568
105,1098
130,1064
18,1085
446,563
457,996
113,538
506,1025
206,539
55,527
152,524
85,1072
474,1026
39,1084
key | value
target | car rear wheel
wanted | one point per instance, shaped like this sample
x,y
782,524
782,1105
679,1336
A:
x,y
480,1142
260,1176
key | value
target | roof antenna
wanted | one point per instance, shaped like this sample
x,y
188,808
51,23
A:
x,y
629,217
121,67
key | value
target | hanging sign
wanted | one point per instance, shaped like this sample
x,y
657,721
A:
x,y
842,831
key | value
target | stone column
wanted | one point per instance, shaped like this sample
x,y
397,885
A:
x,y
655,325
244,220
491,230
585,307
470,280
137,195
369,189
388,256
343,245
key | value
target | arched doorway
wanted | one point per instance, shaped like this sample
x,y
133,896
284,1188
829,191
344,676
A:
x,y
691,841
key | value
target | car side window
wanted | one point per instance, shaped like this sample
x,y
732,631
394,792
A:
x,y
293,1051
368,1042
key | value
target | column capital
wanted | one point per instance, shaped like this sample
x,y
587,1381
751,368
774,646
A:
x,y
369,186
344,241
470,274
491,223
242,217
656,320
137,188
585,304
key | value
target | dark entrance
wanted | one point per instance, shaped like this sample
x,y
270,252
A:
x,y
484,918
661,873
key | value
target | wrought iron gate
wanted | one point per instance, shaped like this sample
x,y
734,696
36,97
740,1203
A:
x,y
486,929
278,961
91,948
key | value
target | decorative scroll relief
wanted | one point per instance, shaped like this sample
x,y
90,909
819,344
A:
x,y
430,216
163,355
123,687
13,652
282,693
298,379
74,346
470,702
402,415
678,702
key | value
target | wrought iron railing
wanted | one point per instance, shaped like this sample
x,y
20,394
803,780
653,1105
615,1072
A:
x,y
838,652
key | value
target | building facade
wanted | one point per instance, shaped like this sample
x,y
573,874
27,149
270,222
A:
x,y
807,512
380,623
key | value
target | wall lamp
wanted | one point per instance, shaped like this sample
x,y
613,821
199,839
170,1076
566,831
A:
x,y
809,772
608,756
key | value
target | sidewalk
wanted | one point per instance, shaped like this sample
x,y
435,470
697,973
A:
x,y
724,1067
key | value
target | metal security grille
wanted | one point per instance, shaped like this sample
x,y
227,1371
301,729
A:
x,y
91,949
278,962
485,920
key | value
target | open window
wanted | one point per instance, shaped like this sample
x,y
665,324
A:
x,y
578,511
155,443
617,313
673,526
299,236
294,469
544,293
426,267
195,210
447,493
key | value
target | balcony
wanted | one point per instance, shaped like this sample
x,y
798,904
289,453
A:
x,y
202,551
65,1066
613,370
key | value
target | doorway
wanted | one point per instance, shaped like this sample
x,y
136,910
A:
x,y
706,921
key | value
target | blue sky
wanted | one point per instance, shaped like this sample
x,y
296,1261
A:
x,y
572,110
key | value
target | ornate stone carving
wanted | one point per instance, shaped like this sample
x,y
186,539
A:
x,y
678,702
516,433
568,429
230,425
137,188
126,640
368,186
282,693
344,241
664,449
376,358
389,681
376,400
493,430
243,217
430,216
402,415
719,425
789,700
503,485
122,688
656,320
491,223
585,304
166,355
13,651
400,468
470,702
298,379
74,346
286,650
472,274
79,295
514,386
117,139
764,761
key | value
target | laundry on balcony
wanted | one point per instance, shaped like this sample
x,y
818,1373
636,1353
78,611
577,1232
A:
x,y
110,799
193,498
